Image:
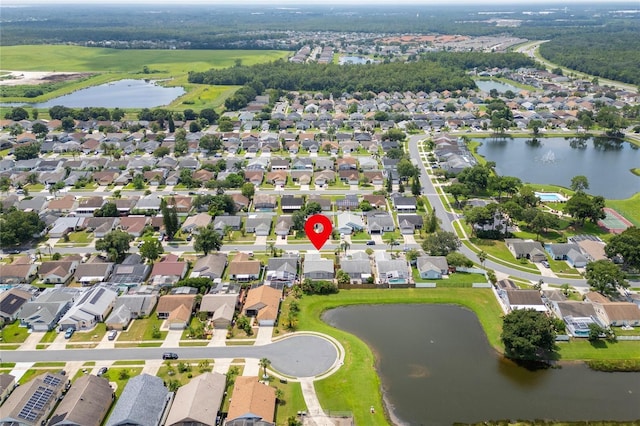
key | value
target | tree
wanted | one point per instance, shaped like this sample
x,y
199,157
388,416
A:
x,y
39,129
248,190
528,335
441,243
107,210
5,184
344,246
456,259
115,244
209,114
207,239
17,114
605,277
411,256
579,183
161,151
406,169
170,218
27,152
582,207
627,245
210,143
416,188
264,364
457,190
151,249
343,278
18,227
596,331
482,257
68,123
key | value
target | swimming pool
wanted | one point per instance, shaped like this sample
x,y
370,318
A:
x,y
551,197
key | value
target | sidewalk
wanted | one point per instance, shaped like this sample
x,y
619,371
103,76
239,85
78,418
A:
x,y
315,413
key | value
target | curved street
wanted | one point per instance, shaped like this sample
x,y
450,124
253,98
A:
x,y
447,218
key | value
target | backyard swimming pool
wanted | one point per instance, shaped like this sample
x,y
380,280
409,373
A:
x,y
551,197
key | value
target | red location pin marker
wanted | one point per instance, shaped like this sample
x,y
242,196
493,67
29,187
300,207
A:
x,y
318,229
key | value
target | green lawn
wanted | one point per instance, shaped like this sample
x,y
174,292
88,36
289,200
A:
x,y
629,208
91,336
82,237
13,333
500,251
49,336
142,329
458,279
292,401
113,375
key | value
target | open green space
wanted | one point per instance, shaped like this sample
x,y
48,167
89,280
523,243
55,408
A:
x,y
143,329
182,372
292,401
95,335
13,333
120,376
356,387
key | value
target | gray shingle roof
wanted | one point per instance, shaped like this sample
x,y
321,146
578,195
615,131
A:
x,y
142,402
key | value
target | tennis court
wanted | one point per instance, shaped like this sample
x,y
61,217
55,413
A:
x,y
614,222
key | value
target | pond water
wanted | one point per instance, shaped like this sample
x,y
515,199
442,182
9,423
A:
x,y
437,368
358,60
487,85
122,93
605,163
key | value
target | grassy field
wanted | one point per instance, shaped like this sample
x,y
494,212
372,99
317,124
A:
x,y
13,333
356,386
159,62
116,64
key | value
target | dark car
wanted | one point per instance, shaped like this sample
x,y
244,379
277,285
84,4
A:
x,y
169,355
102,371
371,243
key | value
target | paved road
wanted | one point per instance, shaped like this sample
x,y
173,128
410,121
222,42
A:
x,y
298,356
447,218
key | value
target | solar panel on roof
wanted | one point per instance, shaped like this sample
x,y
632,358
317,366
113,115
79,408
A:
x,y
97,296
52,380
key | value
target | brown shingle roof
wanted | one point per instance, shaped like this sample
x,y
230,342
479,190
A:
x,y
251,396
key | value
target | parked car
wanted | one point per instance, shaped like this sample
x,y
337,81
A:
x,y
169,355
102,371
69,333
112,335
371,243
545,264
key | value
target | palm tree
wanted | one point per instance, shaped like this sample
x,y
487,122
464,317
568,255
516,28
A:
x,y
264,363
392,242
344,245
227,230
482,256
272,248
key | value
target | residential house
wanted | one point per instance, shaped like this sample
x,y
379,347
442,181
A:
x,y
131,272
192,223
291,203
358,266
176,309
282,270
254,176
198,402
349,222
168,271
7,385
379,222
44,312
224,222
63,225
11,302
376,201
316,267
57,272
134,225
577,316
210,266
264,202
129,307
404,204
325,203
591,246
31,403
374,177
142,403
62,205
86,403
349,202
91,273
617,314
522,299
91,307
88,206
263,303
350,177
283,225
391,271
531,250
241,268
432,267
100,226
259,224
220,305
149,203
568,252
324,177
252,403
22,273
409,223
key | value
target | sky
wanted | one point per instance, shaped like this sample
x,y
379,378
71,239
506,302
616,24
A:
x,y
316,2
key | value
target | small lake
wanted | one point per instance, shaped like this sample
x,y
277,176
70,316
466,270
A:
x,y
437,368
357,60
606,163
488,85
122,94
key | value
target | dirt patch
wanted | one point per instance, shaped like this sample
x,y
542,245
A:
x,y
30,78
